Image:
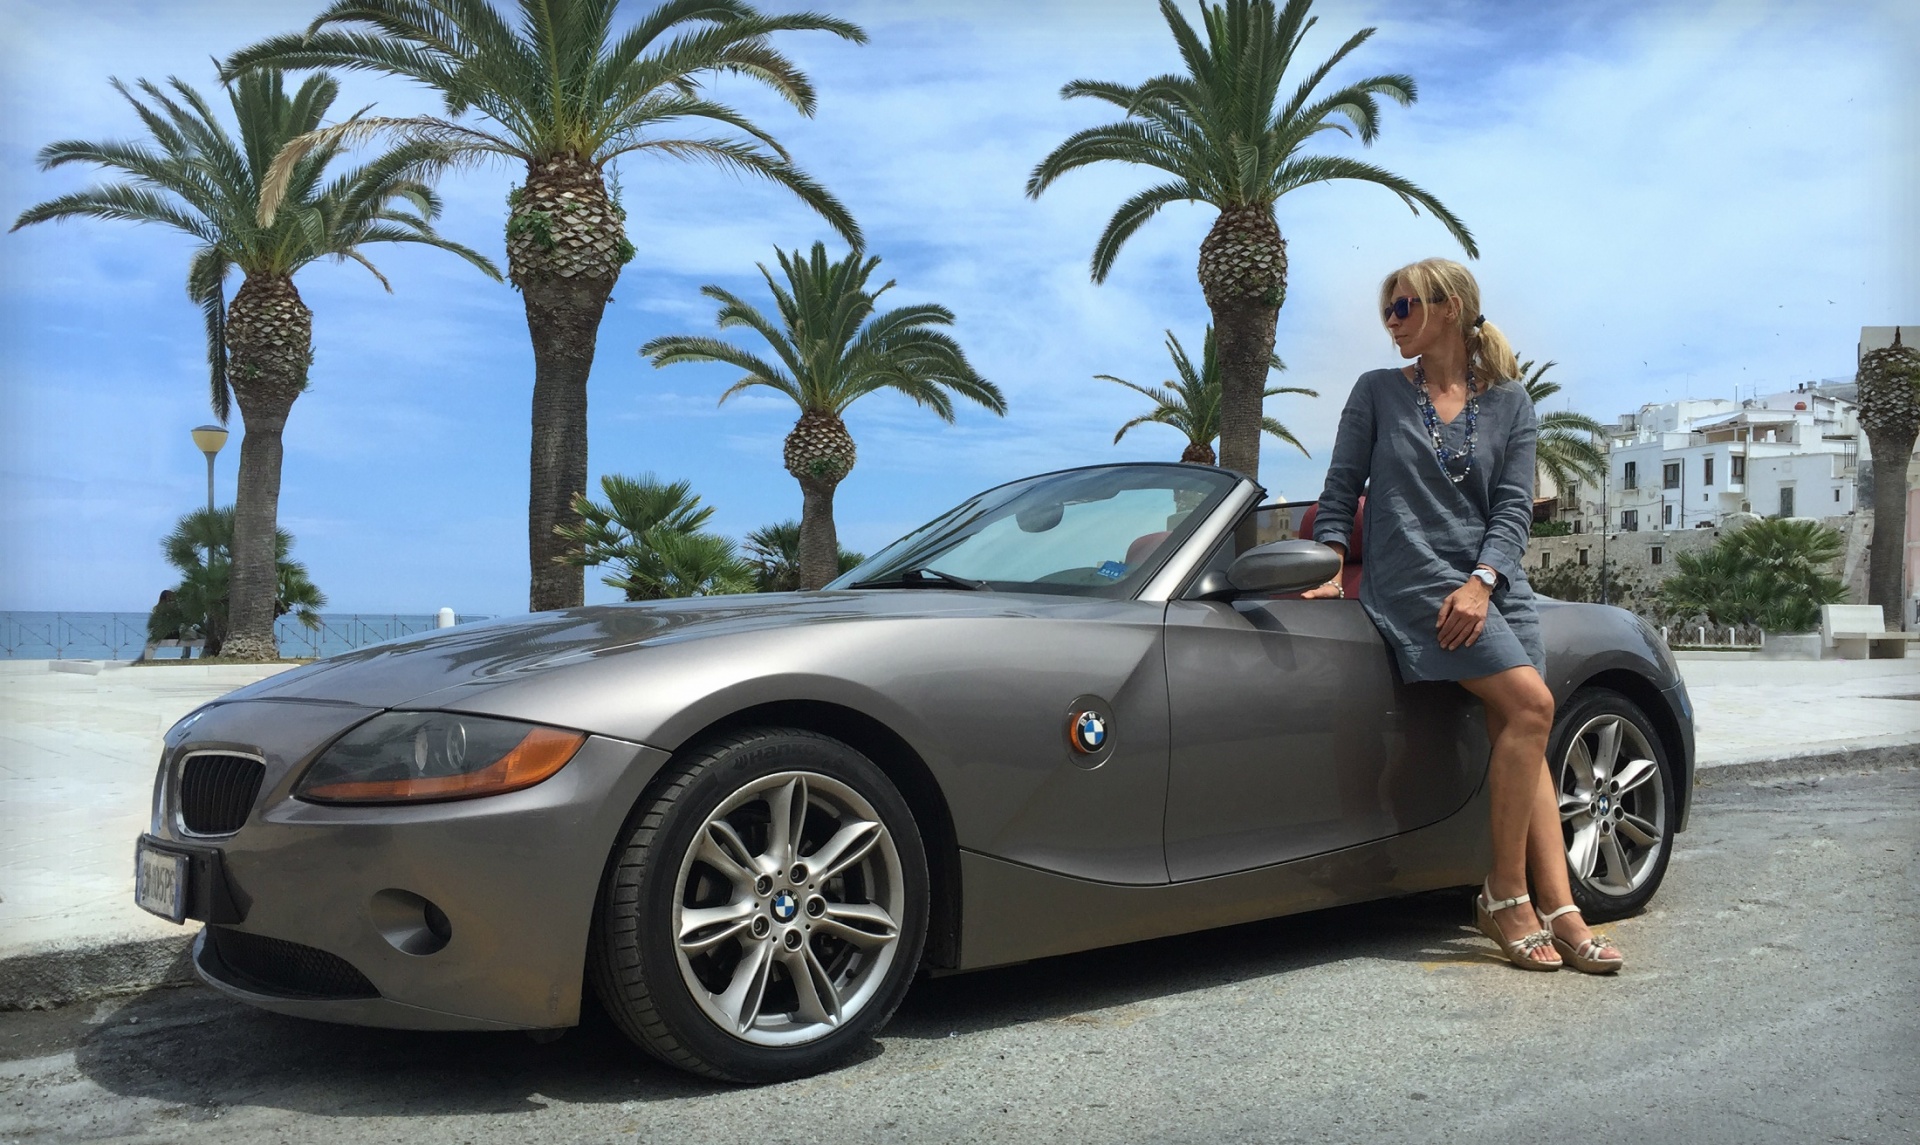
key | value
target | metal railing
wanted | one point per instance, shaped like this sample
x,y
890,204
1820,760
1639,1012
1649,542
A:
x,y
123,635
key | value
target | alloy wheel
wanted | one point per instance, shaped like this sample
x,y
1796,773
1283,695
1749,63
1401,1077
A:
x,y
1613,806
788,908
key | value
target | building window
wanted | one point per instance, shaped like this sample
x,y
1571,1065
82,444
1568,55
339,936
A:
x,y
1656,553
1546,559
1630,475
1836,493
1739,468
1583,557
1707,468
1629,522
1786,500
1666,513
1670,475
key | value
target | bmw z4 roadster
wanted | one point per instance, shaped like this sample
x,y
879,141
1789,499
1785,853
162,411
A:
x,y
1076,710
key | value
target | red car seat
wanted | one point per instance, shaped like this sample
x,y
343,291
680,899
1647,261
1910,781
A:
x,y
1350,574
1143,546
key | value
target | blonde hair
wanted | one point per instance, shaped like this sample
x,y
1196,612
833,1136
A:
x,y
1438,279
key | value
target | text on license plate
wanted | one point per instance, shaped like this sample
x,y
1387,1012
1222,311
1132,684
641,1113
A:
x,y
160,883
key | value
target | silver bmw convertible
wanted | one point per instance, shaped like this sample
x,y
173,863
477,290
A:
x,y
1076,710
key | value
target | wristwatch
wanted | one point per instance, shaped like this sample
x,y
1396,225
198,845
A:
x,y
1487,576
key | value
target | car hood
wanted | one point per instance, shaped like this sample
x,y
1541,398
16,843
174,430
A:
x,y
498,651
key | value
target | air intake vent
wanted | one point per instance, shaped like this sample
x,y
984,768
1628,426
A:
x,y
275,966
217,792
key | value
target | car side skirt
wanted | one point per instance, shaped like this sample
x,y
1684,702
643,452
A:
x,y
1016,913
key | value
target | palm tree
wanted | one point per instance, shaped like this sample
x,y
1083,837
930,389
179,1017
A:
x,y
774,553
652,532
1191,402
832,348
563,93
1224,135
195,177
200,548
1566,450
1889,392
1775,573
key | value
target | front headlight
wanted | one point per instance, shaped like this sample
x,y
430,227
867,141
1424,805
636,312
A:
x,y
413,757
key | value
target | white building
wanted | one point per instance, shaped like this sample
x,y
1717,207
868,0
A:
x,y
1691,463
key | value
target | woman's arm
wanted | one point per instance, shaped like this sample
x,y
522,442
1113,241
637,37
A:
x,y
1510,512
1347,469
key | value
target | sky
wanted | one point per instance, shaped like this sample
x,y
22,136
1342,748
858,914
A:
x,y
1671,200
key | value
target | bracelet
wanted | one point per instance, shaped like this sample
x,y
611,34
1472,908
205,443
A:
x,y
1339,586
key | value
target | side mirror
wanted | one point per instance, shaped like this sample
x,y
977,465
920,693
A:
x,y
1281,566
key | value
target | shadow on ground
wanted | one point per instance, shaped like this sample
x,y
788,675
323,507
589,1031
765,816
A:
x,y
195,1048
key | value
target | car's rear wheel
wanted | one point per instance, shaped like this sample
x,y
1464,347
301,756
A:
x,y
765,909
1617,808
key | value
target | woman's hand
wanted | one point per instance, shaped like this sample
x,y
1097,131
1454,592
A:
x,y
1463,615
1332,589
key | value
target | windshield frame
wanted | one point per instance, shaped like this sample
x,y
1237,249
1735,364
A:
x,y
926,544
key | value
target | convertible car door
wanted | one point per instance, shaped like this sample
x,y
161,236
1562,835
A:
x,y
1292,736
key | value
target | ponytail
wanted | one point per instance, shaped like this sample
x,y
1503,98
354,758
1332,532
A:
x,y
1489,354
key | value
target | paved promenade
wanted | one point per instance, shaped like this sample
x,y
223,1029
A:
x,y
77,758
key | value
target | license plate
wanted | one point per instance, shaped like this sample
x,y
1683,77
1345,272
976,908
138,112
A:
x,y
160,882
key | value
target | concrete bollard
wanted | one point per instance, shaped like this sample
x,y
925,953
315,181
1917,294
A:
x,y
446,618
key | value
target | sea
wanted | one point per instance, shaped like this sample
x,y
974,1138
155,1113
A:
x,y
122,635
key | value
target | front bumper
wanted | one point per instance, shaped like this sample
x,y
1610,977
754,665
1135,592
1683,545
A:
x,y
513,879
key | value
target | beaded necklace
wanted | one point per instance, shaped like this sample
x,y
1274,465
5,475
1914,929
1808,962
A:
x,y
1441,452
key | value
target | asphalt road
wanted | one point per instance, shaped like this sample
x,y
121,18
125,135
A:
x,y
1772,994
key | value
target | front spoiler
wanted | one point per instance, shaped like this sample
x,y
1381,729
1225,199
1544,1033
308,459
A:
x,y
383,1012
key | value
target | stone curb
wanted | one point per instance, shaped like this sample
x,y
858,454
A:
x,y
1884,757
44,979
56,977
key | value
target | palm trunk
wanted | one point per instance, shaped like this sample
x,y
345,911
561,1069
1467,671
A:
x,y
1243,274
565,248
269,336
819,540
1198,453
819,453
1888,551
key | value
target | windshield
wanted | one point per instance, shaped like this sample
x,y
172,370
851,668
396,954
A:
x,y
1084,532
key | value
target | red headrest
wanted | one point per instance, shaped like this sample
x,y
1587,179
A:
x,y
1142,547
1354,550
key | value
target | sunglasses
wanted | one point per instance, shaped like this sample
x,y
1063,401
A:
x,y
1401,307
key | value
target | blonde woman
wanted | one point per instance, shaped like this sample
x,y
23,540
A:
x,y
1443,448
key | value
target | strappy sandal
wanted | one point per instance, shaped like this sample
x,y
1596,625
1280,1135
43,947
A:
x,y
1520,951
1584,957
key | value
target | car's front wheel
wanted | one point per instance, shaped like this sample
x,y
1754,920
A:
x,y
1617,807
765,909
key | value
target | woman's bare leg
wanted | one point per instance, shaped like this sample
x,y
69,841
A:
x,y
1519,718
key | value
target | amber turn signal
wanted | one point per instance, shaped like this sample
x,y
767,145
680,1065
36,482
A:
x,y
538,755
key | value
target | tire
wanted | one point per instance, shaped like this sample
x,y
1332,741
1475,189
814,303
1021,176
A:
x,y
774,977
1615,788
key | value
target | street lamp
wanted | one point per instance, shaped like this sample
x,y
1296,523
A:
x,y
210,438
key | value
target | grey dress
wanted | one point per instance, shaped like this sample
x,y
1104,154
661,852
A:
x,y
1424,534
